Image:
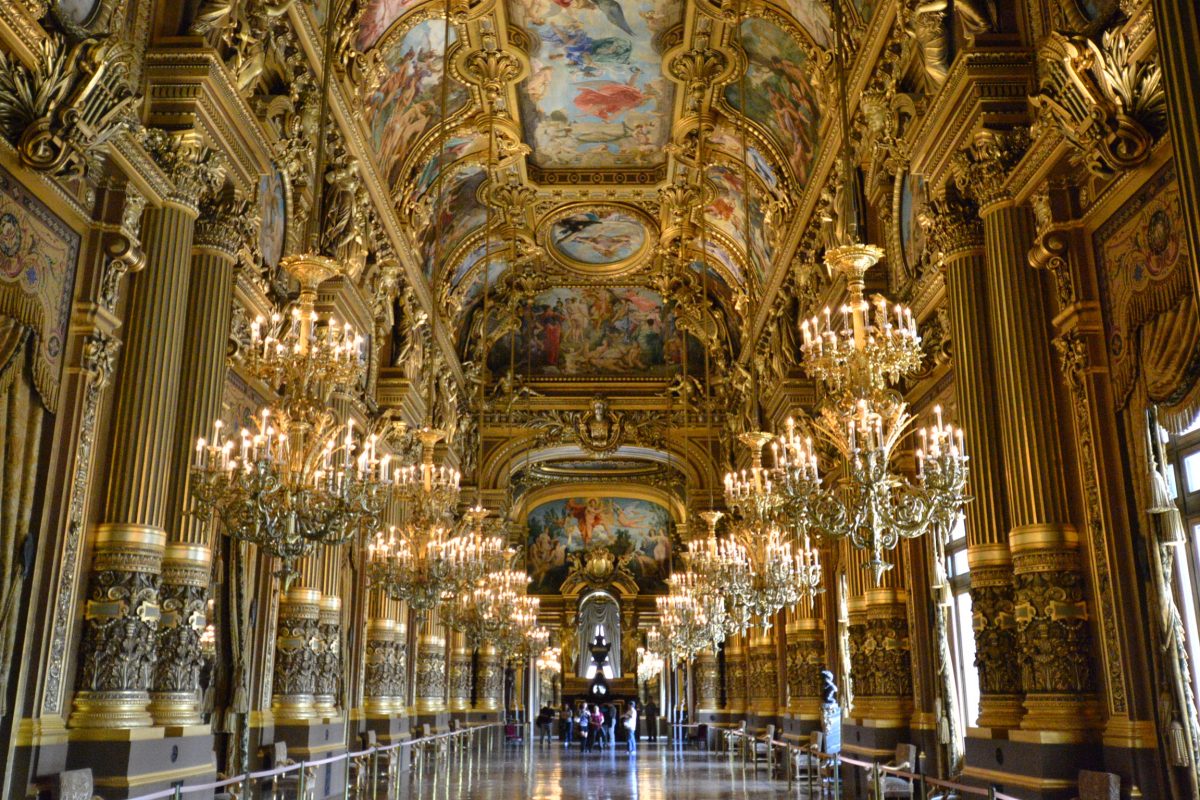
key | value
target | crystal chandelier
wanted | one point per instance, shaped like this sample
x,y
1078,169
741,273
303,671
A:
x,y
649,664
549,660
482,613
300,478
683,618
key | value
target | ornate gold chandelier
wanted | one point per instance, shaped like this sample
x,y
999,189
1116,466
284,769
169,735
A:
x,y
300,478
691,617
483,613
550,660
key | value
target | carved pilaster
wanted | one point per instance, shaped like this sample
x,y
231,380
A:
x,y
384,680
297,637
175,692
735,680
995,643
430,666
805,660
762,669
328,686
708,680
460,677
490,692
120,624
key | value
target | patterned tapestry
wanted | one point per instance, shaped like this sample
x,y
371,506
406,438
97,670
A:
x,y
39,254
1151,320
637,533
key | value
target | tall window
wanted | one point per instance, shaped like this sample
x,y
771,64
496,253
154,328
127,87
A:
x,y
1183,478
962,634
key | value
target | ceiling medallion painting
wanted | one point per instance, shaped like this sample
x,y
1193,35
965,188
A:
x,y
631,532
596,96
599,236
597,331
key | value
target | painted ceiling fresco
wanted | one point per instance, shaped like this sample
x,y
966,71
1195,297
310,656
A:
x,y
636,532
456,213
728,214
779,94
408,101
596,96
598,236
598,331
378,17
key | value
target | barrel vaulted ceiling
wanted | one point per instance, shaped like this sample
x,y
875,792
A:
x,y
595,113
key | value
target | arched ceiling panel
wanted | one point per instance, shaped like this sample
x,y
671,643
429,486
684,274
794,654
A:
x,y
408,101
779,92
596,96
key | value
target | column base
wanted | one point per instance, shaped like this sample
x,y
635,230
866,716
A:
x,y
128,763
1000,711
175,708
1058,718
108,710
286,708
1029,770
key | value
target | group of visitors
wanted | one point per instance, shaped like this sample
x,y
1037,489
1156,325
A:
x,y
594,725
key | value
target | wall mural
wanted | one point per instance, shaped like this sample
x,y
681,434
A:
x,y
597,331
272,210
629,528
596,96
456,212
728,213
378,17
814,18
1142,260
407,103
730,140
780,97
38,258
598,237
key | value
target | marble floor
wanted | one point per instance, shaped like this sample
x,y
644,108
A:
x,y
548,772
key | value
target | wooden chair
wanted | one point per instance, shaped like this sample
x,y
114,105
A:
x,y
288,784
762,748
893,785
698,736
804,758
1099,786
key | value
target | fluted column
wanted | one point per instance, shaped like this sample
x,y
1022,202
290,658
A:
x,y
459,681
805,660
883,681
1053,637
707,678
735,675
490,692
119,648
384,681
957,232
297,639
762,673
186,577
430,666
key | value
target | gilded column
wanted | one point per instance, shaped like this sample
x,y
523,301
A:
x,y
328,688
762,672
707,680
297,644
735,675
385,675
805,660
1053,638
883,676
459,681
220,231
490,692
957,233
430,666
120,647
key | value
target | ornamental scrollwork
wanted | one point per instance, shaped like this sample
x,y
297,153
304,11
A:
x,y
995,634
881,658
1108,104
982,168
60,113
295,654
1053,634
180,658
119,647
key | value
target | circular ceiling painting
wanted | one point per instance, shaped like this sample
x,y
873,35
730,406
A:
x,y
598,236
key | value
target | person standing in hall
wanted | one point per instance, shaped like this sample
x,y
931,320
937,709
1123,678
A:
x,y
651,721
569,723
584,723
596,728
629,720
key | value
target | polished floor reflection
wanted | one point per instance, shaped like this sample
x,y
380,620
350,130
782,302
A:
x,y
548,772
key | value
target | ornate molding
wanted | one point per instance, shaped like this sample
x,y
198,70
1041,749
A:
x,y
981,169
1109,105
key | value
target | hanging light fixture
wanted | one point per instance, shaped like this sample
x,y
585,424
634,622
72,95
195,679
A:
x,y
301,478
860,353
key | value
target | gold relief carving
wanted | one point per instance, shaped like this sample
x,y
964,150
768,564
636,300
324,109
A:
x,y
192,167
735,681
493,70
1073,350
296,652
994,623
76,98
882,663
981,169
1053,635
242,31
328,646
953,226
805,660
708,680
225,224
1109,105
698,69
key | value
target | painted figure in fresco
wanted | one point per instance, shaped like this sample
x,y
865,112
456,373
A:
x,y
606,99
551,320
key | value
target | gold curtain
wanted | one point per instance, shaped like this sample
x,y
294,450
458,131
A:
x,y
21,414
